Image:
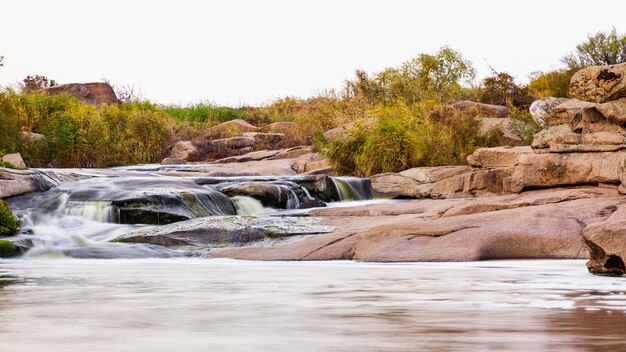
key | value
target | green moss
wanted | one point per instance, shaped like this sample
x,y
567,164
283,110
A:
x,y
8,165
7,249
8,223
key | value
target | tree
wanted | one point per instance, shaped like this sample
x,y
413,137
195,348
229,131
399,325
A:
x,y
438,76
500,89
36,82
599,49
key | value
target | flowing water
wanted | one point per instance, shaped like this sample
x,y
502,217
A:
x,y
352,188
224,305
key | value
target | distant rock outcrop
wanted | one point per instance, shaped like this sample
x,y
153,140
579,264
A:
x,y
93,93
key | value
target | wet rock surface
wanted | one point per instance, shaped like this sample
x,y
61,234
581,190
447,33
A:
x,y
228,231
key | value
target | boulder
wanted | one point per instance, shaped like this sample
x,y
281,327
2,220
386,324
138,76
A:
x,y
508,126
441,182
606,243
224,144
289,153
614,110
541,140
29,137
541,108
573,112
185,150
280,127
309,162
14,159
16,182
552,169
228,231
599,84
483,110
138,200
588,142
497,157
265,138
234,127
343,130
93,93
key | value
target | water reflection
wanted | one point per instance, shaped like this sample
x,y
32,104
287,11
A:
x,y
221,305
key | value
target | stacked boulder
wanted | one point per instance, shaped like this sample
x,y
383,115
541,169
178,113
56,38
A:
x,y
229,139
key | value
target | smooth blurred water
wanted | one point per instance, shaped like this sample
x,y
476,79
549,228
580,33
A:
x,y
224,305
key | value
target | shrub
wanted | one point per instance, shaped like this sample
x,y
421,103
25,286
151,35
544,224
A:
x,y
205,112
599,49
82,135
8,224
500,89
551,84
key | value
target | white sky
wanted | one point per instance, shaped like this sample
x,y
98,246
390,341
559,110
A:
x,y
248,52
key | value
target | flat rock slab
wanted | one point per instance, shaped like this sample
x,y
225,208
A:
x,y
228,231
539,224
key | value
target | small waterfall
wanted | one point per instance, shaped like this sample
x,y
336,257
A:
x,y
97,211
249,206
352,188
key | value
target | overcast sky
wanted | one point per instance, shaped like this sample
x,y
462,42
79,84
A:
x,y
248,52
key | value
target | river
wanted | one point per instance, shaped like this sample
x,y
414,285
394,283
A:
x,y
193,304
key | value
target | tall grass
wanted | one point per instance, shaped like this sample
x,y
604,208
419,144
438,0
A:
x,y
82,135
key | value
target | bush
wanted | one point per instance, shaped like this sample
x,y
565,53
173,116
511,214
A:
x,y
407,136
82,135
551,84
8,224
599,49
205,112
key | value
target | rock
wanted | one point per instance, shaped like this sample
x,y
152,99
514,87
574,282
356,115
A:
x,y
232,230
290,153
280,127
138,200
185,150
16,182
225,144
541,140
539,224
614,110
265,138
14,159
575,113
309,162
606,243
551,170
29,137
541,108
497,157
599,84
275,194
234,127
173,161
589,142
507,126
441,182
252,156
93,93
280,167
343,130
483,110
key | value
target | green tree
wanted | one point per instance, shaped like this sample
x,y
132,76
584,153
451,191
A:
x,y
437,76
599,49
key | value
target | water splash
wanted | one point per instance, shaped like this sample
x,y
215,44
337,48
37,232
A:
x,y
249,206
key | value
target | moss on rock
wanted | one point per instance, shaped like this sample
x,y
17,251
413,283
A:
x,y
7,249
8,223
